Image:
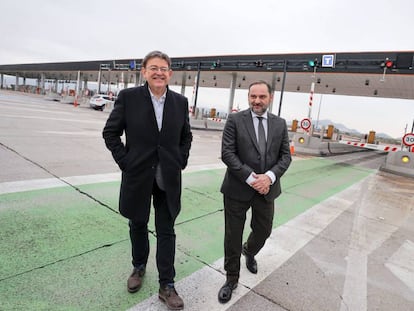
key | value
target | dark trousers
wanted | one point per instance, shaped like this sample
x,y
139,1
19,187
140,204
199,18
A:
x,y
235,217
164,226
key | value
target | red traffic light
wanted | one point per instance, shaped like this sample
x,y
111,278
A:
x,y
387,63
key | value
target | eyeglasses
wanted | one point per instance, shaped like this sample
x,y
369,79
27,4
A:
x,y
156,69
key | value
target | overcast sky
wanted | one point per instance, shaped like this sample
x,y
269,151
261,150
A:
x,y
54,31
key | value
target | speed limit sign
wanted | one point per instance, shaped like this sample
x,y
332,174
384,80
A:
x,y
305,124
408,139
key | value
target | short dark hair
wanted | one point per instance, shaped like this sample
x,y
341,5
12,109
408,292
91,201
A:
x,y
155,54
261,82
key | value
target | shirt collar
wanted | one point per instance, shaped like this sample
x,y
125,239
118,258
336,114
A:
x,y
254,115
155,97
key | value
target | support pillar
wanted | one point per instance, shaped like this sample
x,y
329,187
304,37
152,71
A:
x,y
273,85
232,91
99,81
122,82
55,86
109,82
137,78
1,81
42,83
183,83
197,84
77,91
140,80
283,87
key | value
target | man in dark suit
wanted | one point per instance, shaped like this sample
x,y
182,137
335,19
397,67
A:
x,y
255,149
157,145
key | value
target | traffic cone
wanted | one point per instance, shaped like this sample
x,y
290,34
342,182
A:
x,y
292,148
75,103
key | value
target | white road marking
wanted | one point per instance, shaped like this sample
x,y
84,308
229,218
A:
x,y
368,233
28,185
44,183
401,264
54,119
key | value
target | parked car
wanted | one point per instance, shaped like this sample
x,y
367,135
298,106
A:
x,y
99,101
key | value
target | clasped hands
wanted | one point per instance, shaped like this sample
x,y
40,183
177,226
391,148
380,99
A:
x,y
261,183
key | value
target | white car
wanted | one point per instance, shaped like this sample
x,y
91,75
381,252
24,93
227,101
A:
x,y
99,101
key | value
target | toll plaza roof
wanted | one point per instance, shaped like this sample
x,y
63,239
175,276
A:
x,y
374,74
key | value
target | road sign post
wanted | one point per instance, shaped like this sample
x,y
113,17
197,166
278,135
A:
x,y
312,90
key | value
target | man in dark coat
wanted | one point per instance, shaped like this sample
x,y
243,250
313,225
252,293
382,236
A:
x,y
256,151
158,138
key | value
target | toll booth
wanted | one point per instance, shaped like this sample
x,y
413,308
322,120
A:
x,y
330,131
371,137
213,112
294,125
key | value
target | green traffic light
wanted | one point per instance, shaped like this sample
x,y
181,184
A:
x,y
311,63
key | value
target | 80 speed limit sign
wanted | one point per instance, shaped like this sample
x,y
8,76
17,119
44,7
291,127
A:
x,y
305,124
408,139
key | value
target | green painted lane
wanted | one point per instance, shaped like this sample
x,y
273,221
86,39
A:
x,y
62,250
93,281
41,227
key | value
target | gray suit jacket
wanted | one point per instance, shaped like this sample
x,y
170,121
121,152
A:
x,y
240,152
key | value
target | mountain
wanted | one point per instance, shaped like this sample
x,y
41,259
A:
x,y
344,129
384,135
341,127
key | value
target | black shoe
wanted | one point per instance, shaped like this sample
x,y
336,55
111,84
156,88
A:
x,y
251,263
224,294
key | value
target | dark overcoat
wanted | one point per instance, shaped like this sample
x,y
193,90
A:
x,y
241,154
145,146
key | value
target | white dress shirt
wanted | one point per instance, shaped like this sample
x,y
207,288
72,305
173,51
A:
x,y
271,175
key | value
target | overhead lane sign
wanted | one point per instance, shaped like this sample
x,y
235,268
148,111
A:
x,y
328,60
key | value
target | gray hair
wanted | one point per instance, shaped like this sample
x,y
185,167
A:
x,y
261,82
156,54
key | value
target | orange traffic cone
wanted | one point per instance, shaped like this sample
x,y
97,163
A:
x,y
75,103
292,148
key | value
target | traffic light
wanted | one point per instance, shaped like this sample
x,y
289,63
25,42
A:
x,y
216,64
387,63
259,63
313,63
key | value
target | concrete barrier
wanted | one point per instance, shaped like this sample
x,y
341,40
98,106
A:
x,y
206,124
68,99
400,163
306,144
53,96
